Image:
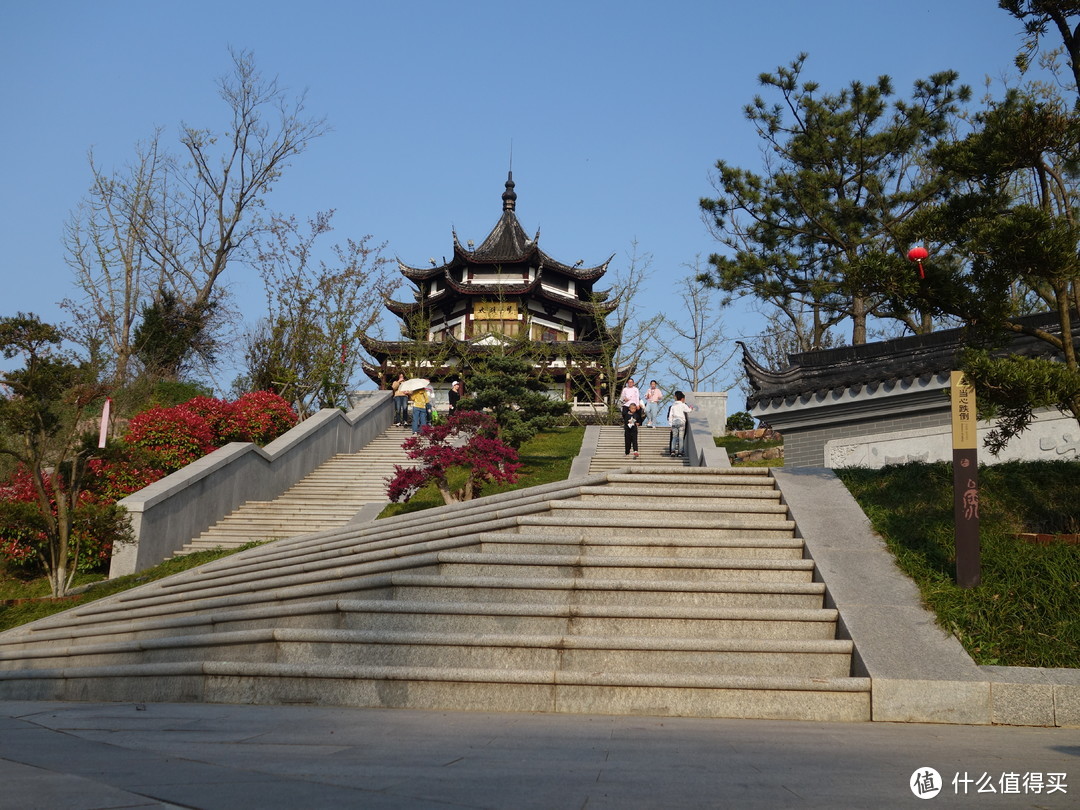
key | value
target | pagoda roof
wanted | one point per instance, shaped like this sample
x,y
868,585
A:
x,y
402,308
810,374
381,349
506,244
534,288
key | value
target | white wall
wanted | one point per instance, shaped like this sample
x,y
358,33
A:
x,y
713,404
1051,436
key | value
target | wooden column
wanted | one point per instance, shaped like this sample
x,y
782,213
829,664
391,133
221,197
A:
x,y
965,481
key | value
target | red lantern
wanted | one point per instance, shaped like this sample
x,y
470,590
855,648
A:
x,y
917,254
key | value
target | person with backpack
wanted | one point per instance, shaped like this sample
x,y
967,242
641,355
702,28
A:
x,y
421,403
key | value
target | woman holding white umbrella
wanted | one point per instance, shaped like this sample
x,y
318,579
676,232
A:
x,y
419,399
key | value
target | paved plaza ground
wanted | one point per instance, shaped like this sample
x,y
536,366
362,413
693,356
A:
x,y
77,756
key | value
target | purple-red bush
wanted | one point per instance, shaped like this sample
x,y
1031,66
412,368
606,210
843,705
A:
x,y
468,441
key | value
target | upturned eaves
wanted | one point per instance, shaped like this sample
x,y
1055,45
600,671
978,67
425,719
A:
x,y
872,364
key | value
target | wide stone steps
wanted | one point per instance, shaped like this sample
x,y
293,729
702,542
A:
x,y
675,526
661,508
652,445
711,626
652,480
760,502
578,596
595,591
579,652
327,498
631,545
613,622
607,620
638,568
787,657
331,494
842,699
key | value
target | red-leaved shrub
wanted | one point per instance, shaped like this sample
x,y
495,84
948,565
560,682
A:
x,y
97,524
22,528
158,441
468,440
258,416
171,437
218,414
113,479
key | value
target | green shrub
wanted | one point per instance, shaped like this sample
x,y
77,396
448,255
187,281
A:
x,y
740,420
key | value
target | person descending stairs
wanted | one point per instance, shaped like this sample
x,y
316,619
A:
x,y
652,448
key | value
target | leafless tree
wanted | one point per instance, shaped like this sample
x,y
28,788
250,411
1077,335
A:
x,y
308,349
695,345
106,245
213,209
629,331
175,222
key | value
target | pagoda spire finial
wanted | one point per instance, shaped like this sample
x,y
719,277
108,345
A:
x,y
509,196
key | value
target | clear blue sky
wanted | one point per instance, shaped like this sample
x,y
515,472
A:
x,y
616,111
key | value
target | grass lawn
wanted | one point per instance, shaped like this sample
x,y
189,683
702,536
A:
x,y
546,457
12,588
1026,611
733,445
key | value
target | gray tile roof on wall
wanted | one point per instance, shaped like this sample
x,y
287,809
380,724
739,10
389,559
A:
x,y
903,358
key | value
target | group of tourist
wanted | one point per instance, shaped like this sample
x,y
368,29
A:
x,y
421,401
638,410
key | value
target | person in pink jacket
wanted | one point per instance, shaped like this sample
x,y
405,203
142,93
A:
x,y
629,395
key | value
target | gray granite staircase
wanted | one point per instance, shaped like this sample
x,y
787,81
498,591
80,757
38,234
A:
x,y
648,590
652,447
327,498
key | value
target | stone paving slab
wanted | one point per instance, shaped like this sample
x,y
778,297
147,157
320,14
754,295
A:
x,y
74,756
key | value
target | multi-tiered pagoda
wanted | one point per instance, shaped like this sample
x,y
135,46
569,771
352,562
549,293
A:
x,y
505,291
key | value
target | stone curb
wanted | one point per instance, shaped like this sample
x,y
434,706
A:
x,y
920,674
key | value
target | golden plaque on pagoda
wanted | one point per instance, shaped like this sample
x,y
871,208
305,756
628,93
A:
x,y
494,310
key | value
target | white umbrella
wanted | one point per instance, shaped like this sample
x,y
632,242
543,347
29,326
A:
x,y
413,384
